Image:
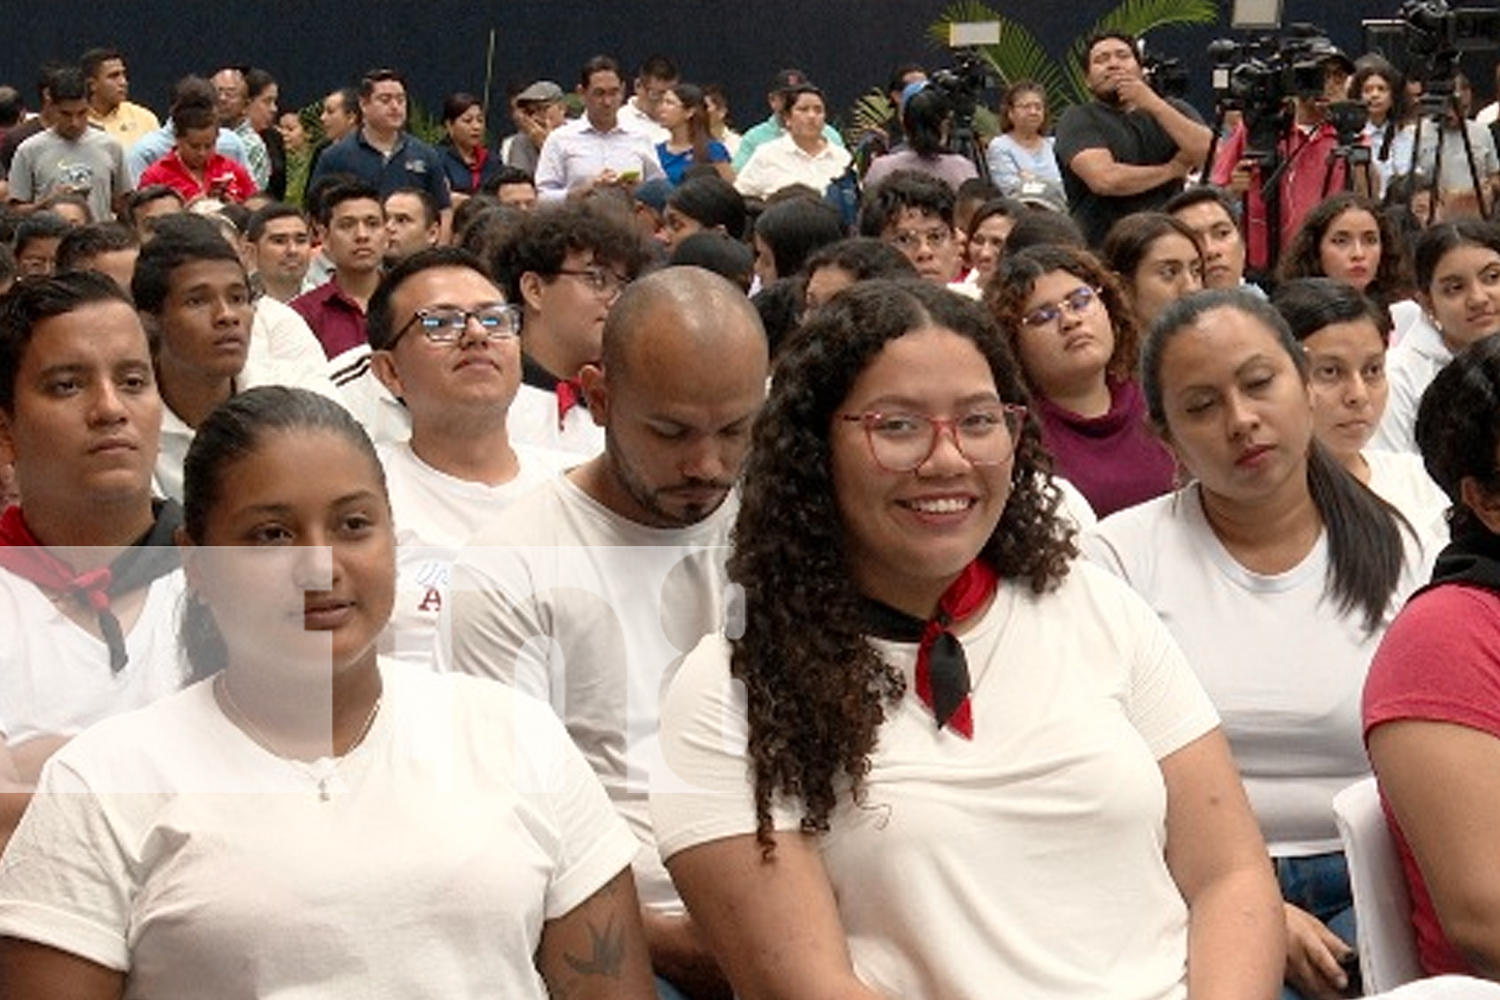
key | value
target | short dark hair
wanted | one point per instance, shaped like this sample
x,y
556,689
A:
x,y
179,240
37,299
334,195
92,60
718,252
69,84
12,106
902,190
349,101
429,203
658,67
864,257
1203,194
896,82
710,201
794,228
384,75
1124,36
191,111
1311,304
150,193
39,225
257,80
256,228
598,64
82,244
379,323
455,105
543,240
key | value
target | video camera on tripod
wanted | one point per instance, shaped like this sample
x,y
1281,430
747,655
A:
x,y
964,82
1257,78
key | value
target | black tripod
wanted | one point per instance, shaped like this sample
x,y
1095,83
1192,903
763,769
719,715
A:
x,y
1441,100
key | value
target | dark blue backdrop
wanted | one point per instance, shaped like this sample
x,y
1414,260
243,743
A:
x,y
312,46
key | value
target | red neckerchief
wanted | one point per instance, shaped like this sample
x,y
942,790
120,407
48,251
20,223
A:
x,y
942,674
152,556
569,394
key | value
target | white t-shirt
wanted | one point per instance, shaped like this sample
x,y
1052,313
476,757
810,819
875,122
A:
x,y
279,333
532,419
1284,667
592,613
1410,367
1401,480
167,844
1028,862
260,369
435,516
55,677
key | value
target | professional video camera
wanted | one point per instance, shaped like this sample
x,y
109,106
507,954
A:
x,y
1435,36
1256,77
963,83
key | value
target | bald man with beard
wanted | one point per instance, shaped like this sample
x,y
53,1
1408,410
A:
x,y
590,590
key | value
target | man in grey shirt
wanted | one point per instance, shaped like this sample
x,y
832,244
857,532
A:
x,y
69,155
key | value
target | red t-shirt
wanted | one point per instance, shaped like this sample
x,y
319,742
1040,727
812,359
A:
x,y
222,178
1440,662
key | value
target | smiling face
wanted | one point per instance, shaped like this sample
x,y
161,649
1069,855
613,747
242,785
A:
x,y
1464,297
1350,248
1238,415
87,416
298,570
1070,352
1171,269
988,243
909,534
1346,370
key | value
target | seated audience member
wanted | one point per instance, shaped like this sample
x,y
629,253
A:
x,y
154,145
717,252
1431,711
110,248
1024,725
1346,237
914,213
348,789
1277,573
194,169
926,118
515,187
89,579
641,530
147,204
447,345
802,155
775,124
72,206
788,231
1076,342
351,227
35,243
967,199
700,203
1457,267
1158,260
1210,214
984,237
190,283
564,266
411,223
535,111
280,244
1344,335
834,267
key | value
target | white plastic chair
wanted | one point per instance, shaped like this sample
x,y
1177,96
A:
x,y
1382,905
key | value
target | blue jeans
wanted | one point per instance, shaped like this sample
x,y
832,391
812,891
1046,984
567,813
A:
x,y
1318,884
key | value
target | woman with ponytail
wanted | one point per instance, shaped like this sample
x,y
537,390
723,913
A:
x,y
1277,571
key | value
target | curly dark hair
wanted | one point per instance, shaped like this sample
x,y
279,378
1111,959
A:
x,y
1016,278
817,690
1303,257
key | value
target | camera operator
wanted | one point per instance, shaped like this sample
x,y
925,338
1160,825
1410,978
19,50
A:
x,y
926,115
1305,157
1129,149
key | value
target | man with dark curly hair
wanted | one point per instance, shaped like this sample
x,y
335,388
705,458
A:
x,y
589,590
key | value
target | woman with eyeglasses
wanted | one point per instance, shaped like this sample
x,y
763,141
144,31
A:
x,y
935,756
1076,340
1277,572
308,820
